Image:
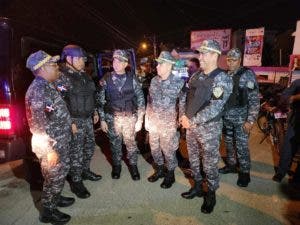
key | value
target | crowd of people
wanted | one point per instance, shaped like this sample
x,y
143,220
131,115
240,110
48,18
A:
x,y
63,103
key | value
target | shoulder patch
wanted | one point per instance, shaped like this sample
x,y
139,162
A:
x,y
250,84
218,92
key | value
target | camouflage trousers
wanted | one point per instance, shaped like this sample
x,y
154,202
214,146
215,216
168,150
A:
x,y
54,178
164,142
236,138
122,128
203,144
82,148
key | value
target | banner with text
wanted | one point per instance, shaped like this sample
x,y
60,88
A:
x,y
253,46
221,36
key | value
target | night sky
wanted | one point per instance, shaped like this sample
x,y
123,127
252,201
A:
x,y
113,24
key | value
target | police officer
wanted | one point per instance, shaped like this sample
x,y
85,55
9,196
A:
x,y
161,119
122,108
207,94
79,92
241,112
291,141
50,124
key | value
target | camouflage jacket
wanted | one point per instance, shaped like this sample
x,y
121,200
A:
x,y
48,117
163,98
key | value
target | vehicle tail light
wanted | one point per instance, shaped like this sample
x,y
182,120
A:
x,y
6,123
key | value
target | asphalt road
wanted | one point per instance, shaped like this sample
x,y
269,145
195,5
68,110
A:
x,y
125,202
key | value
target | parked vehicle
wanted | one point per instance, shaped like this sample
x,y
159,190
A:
x,y
17,41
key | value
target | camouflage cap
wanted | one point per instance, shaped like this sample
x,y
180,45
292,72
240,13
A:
x,y
120,55
165,56
210,46
234,53
37,59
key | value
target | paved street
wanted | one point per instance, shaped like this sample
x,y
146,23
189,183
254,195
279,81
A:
x,y
124,202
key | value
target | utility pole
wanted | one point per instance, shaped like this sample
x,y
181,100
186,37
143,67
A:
x,y
154,46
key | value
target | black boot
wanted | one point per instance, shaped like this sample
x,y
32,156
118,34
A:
x,y
158,173
243,180
79,189
89,175
209,202
194,191
65,201
116,171
228,169
53,216
169,179
134,172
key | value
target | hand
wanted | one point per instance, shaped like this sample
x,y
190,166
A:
x,y
185,122
52,158
104,126
138,126
247,127
96,118
74,128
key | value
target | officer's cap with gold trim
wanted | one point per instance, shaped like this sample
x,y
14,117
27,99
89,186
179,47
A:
x,y
37,59
210,46
165,57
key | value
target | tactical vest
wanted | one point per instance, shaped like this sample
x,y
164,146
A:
x,y
81,102
120,101
239,95
200,93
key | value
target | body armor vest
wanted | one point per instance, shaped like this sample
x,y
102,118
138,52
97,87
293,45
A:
x,y
239,95
81,97
122,100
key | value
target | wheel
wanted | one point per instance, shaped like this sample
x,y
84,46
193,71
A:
x,y
262,122
277,135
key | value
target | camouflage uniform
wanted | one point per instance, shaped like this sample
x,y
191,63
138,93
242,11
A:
x,y
83,142
50,123
161,114
121,125
235,117
203,137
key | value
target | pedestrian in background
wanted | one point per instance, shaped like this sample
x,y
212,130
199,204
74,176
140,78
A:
x,y
291,142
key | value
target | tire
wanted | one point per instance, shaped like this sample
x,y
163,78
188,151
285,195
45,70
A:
x,y
262,122
277,134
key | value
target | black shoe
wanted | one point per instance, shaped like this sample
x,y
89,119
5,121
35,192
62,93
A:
x,y
80,190
168,180
278,177
228,169
158,173
194,191
243,179
65,201
209,202
134,172
116,171
53,216
89,175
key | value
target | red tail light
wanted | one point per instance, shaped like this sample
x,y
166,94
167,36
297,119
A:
x,y
6,127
